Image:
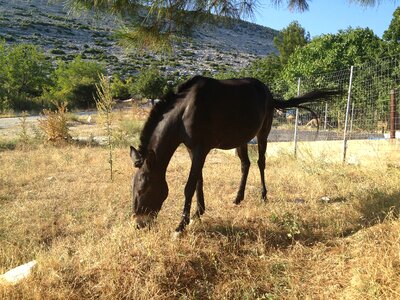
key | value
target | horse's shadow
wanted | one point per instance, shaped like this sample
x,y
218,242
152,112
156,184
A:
x,y
374,209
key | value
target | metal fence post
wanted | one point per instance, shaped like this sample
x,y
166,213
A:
x,y
326,115
352,117
346,122
296,120
393,114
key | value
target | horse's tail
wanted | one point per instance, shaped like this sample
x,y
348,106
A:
x,y
310,97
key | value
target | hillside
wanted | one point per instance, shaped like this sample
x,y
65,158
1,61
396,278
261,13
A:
x,y
64,35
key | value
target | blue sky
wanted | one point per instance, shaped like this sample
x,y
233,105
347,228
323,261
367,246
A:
x,y
326,16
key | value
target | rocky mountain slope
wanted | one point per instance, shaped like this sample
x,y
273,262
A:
x,y
64,35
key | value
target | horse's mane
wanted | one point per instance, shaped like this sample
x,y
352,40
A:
x,y
165,104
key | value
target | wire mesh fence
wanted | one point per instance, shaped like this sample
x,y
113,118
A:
x,y
365,111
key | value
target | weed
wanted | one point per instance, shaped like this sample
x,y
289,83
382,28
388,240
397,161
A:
x,y
55,124
104,105
23,134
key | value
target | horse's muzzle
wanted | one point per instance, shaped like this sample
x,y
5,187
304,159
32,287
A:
x,y
143,221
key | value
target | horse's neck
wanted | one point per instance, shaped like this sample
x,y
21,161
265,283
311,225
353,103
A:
x,y
166,140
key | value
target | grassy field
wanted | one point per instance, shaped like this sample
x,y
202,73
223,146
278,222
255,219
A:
x,y
58,206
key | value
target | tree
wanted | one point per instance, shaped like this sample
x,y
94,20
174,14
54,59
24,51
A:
x,y
150,84
24,74
268,69
392,34
289,39
119,89
76,81
332,52
153,24
3,99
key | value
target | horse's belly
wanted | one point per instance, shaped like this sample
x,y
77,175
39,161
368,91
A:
x,y
233,137
223,126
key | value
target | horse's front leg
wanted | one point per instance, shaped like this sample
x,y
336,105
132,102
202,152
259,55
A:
x,y
199,194
198,159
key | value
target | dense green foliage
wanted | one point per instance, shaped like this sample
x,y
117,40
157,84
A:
x,y
119,88
289,39
392,34
24,73
334,52
323,54
150,84
29,80
76,81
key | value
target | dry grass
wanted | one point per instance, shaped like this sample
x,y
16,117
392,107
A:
x,y
58,206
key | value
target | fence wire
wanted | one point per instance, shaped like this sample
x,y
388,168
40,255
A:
x,y
365,112
369,111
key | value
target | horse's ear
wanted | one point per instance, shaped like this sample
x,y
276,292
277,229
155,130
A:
x,y
151,159
136,157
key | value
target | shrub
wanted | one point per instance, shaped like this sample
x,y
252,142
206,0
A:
x,y
54,124
75,82
119,88
57,51
150,84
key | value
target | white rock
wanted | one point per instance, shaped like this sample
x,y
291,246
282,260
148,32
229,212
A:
x,y
19,273
325,199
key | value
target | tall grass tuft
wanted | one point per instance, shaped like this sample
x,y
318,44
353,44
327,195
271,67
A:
x,y
23,133
104,106
55,124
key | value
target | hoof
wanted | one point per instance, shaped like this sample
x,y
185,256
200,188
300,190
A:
x,y
264,195
177,235
194,221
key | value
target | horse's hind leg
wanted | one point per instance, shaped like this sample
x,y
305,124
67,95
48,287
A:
x,y
262,137
244,159
262,147
200,199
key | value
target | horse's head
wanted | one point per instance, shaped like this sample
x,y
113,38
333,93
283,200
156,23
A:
x,y
149,188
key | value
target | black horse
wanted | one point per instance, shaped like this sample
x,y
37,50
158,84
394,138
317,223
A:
x,y
203,114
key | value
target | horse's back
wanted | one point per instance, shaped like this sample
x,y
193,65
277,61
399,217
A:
x,y
224,113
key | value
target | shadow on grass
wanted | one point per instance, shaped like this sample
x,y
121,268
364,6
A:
x,y
378,207
374,209
236,236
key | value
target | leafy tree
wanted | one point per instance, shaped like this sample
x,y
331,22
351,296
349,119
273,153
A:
x,y
76,81
24,74
266,69
334,52
269,68
392,34
119,88
3,99
326,55
150,84
154,23
289,39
